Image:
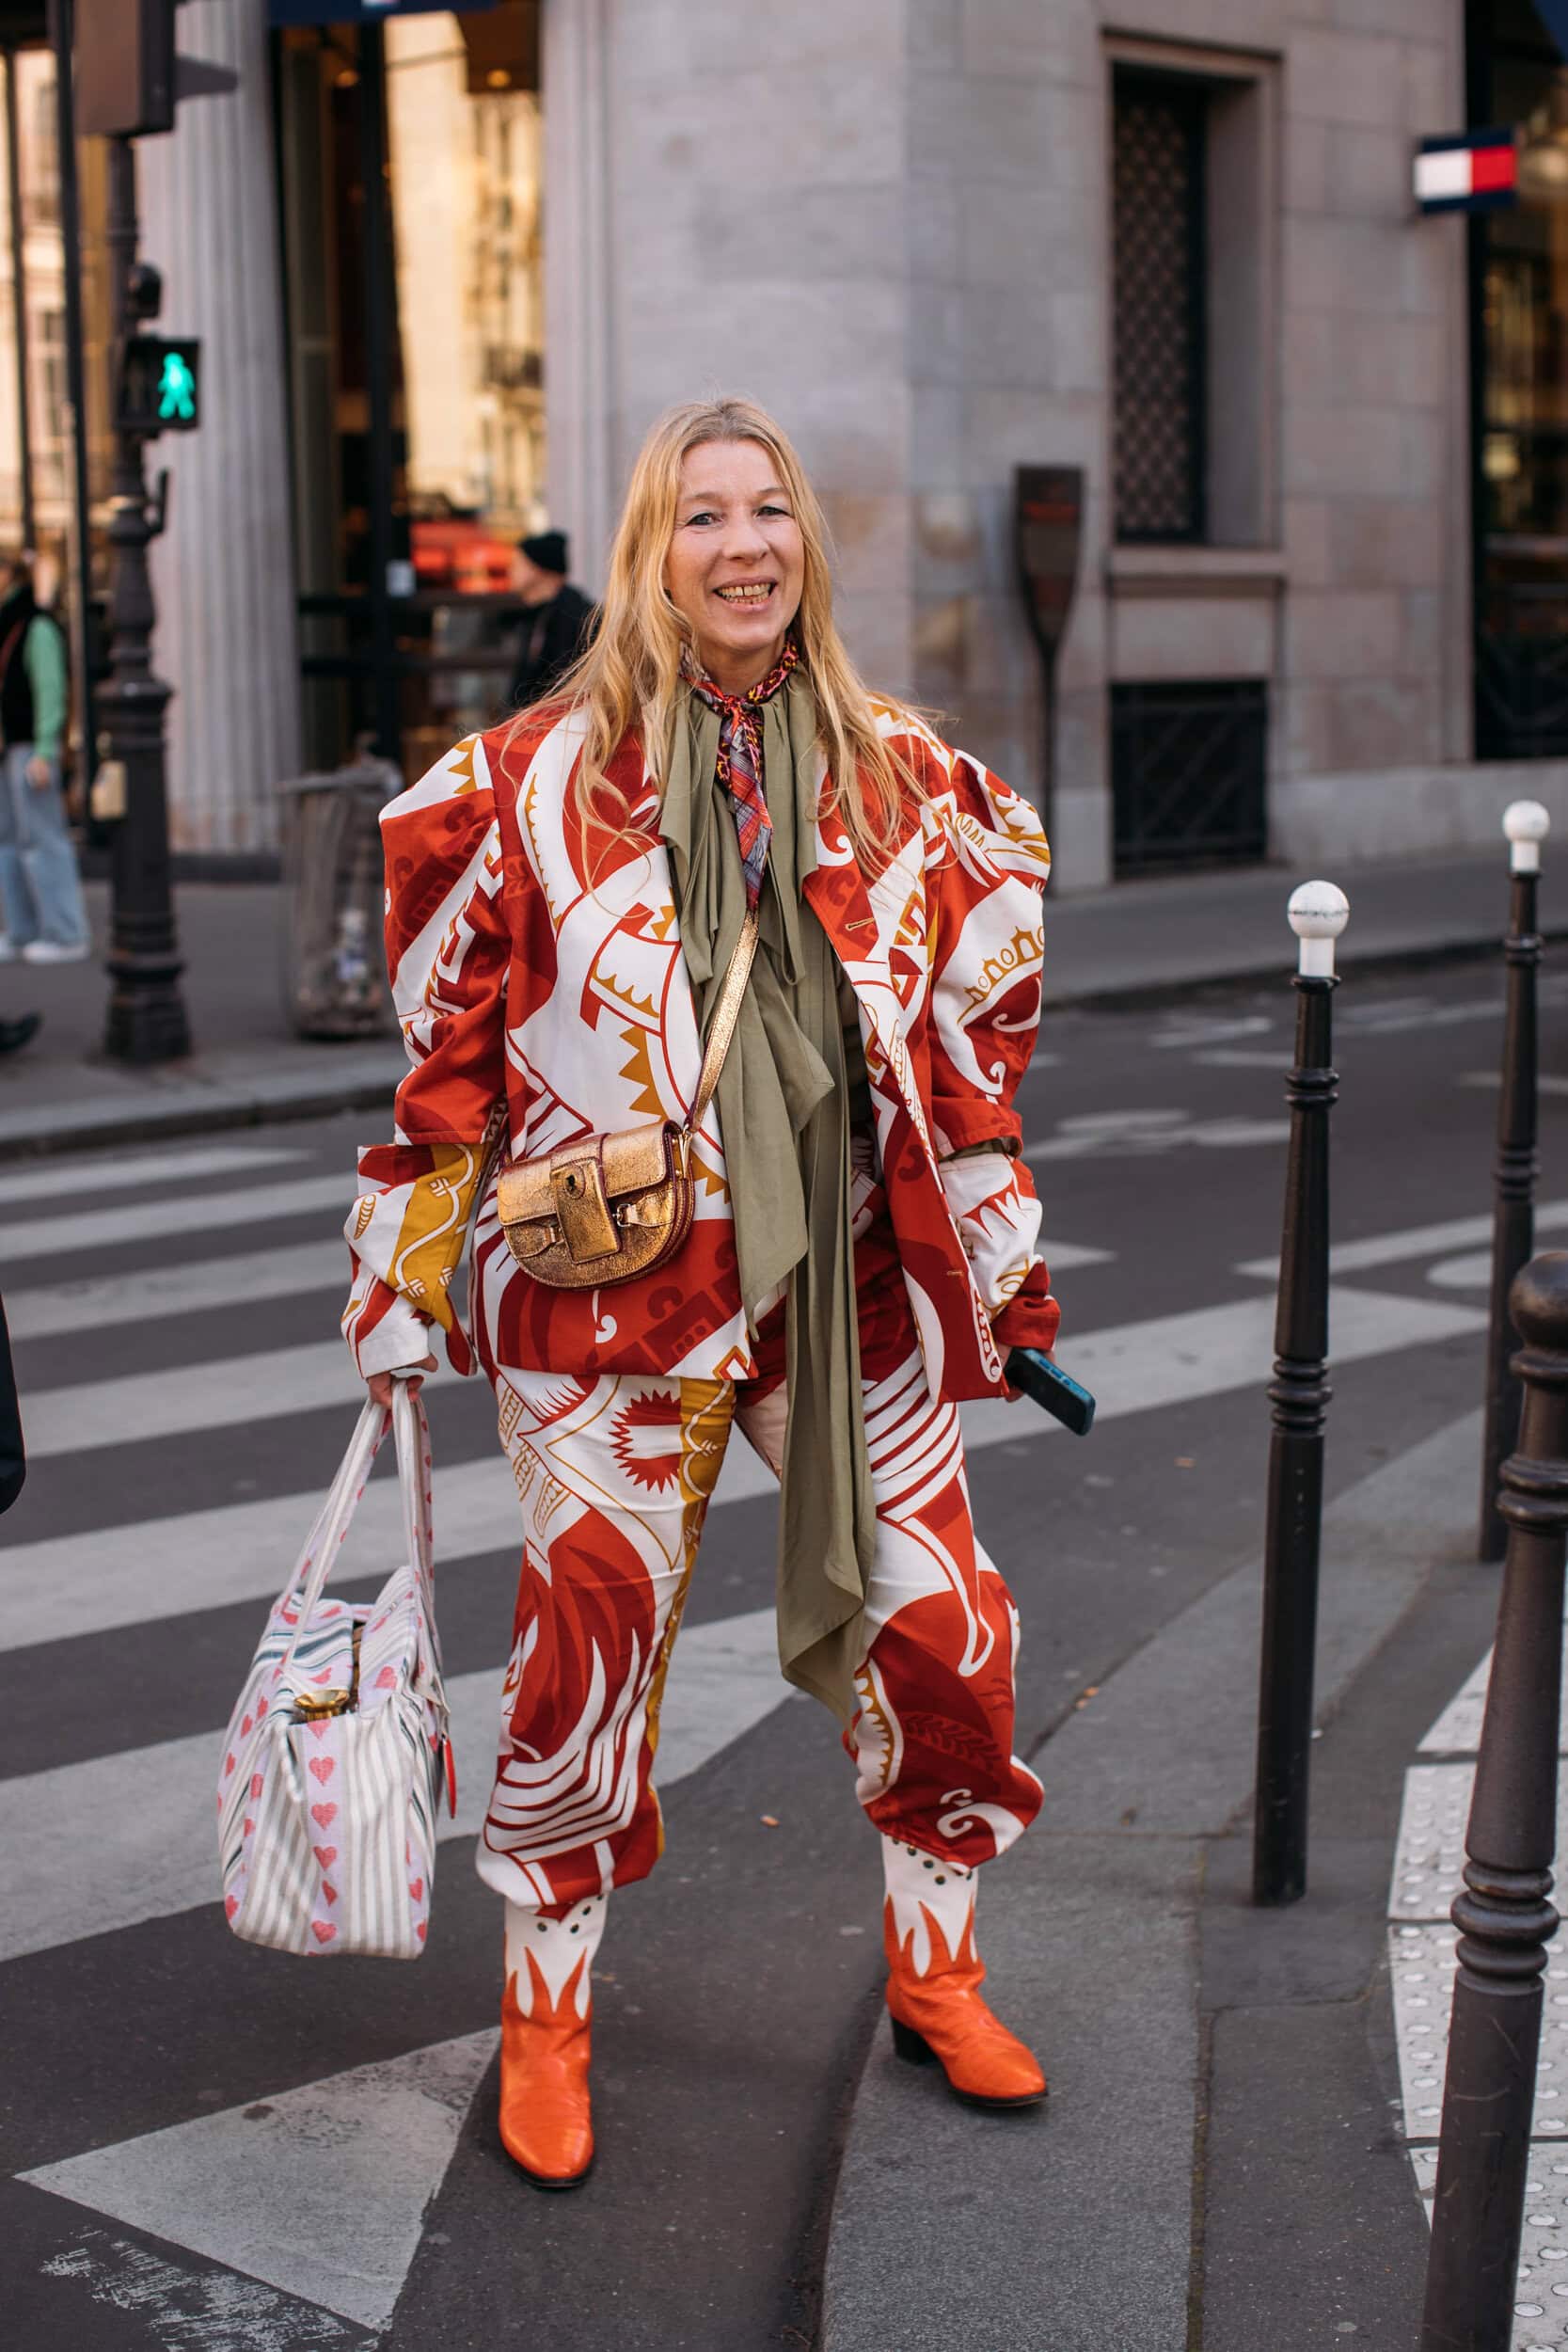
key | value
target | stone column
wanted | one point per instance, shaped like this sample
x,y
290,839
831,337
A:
x,y
579,293
223,573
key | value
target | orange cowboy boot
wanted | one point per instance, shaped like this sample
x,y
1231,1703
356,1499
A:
x,y
547,2124
933,1987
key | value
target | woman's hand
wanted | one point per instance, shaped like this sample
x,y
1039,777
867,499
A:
x,y
380,1383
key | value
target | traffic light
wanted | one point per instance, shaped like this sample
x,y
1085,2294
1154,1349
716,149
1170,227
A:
x,y
160,385
125,67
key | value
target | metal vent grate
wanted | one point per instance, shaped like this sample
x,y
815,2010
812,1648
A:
x,y
1189,767
1160,266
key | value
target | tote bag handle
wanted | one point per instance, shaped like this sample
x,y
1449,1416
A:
x,y
406,1419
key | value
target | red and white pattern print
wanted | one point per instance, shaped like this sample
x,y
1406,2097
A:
x,y
541,967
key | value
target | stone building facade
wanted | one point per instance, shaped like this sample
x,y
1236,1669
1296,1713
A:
x,y
1172,246
896,229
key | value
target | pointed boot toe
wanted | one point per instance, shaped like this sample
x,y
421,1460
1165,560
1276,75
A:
x,y
986,2066
547,2119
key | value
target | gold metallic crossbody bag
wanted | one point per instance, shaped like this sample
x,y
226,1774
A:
x,y
610,1207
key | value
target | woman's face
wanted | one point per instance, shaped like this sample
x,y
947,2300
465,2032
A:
x,y
736,564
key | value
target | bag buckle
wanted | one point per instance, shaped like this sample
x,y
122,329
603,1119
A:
x,y
587,1226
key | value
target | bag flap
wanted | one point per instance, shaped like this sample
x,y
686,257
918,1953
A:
x,y
637,1158
633,1160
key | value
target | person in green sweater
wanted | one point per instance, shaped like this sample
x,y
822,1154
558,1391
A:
x,y
42,908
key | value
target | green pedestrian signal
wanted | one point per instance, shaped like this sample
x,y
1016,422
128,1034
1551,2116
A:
x,y
177,391
160,384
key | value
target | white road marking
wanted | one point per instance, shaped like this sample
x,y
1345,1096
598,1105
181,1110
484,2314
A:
x,y
138,1826
1247,1058
53,1310
1141,1134
65,1585
1415,1241
171,1220
320,2190
226,1395
1471,1272
1546,1083
200,2310
1189,1036
118,1173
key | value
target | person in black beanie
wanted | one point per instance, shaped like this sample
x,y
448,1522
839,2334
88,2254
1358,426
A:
x,y
558,619
13,1460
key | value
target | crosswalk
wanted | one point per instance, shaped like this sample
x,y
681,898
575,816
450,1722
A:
x,y
113,1845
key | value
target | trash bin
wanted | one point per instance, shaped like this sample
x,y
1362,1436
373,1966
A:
x,y
333,971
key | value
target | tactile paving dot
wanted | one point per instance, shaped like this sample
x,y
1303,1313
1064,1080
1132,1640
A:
x,y
1421,1969
1430,1853
1541,2292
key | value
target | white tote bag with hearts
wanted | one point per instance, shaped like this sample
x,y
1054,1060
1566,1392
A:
x,y
339,1745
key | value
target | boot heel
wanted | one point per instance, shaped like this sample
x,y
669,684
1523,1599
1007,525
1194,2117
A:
x,y
909,2044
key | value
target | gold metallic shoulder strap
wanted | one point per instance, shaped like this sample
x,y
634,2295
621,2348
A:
x,y
719,1037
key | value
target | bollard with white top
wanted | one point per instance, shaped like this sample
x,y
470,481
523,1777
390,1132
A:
x,y
1299,1393
1527,825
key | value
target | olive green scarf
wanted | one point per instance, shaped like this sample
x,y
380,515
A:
x,y
785,1114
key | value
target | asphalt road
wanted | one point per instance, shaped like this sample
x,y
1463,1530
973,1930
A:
x,y
164,2078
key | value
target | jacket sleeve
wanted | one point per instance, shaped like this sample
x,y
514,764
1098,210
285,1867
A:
x,y
986,949
446,952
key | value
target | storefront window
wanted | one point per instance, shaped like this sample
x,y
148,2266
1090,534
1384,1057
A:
x,y
1519,279
415,357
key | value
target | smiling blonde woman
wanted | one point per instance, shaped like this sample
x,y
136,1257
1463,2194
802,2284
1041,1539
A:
x,y
565,897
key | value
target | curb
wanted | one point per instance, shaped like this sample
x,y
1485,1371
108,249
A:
x,y
64,1129
195,1111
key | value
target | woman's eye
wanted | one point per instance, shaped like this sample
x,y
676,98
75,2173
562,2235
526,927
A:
x,y
705,516
774,510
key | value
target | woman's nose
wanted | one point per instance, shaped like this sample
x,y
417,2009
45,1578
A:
x,y
745,540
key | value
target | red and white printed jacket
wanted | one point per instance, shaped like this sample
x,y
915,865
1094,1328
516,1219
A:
x,y
517,983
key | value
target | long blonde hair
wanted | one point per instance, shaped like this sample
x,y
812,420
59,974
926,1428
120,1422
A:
x,y
630,677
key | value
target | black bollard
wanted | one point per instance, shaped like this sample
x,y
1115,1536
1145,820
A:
x,y
1299,1393
1526,823
1503,1917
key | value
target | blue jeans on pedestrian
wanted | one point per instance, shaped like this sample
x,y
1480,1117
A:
x,y
41,892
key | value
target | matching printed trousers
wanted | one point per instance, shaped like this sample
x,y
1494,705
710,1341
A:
x,y
614,1475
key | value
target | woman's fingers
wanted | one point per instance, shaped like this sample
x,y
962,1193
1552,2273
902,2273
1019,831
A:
x,y
380,1383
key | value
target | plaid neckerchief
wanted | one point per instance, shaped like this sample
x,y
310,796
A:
x,y
739,766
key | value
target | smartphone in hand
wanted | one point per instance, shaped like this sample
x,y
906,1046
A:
x,y
1048,1385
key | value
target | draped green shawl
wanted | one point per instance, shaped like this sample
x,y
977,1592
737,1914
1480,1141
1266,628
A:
x,y
785,1113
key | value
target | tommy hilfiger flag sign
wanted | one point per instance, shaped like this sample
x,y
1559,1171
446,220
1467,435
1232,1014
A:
x,y
1473,172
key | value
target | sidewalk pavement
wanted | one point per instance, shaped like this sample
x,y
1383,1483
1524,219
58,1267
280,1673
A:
x,y
1148,939
1219,2166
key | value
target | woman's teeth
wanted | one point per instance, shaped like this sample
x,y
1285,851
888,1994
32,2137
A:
x,y
746,595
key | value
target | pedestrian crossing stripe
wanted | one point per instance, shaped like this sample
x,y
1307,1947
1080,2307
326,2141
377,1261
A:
x,y
318,2190
121,1173
137,1825
62,1586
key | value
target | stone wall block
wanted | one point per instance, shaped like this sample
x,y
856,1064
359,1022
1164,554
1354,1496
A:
x,y
1052,239
1385,543
1305,165
834,233
709,38
1300,727
1381,722
933,39
994,127
1059,40
1353,634
870,535
1332,264
1306,529
1368,171
1423,617
1434,88
1345,77
1345,452
1192,636
791,127
933,231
